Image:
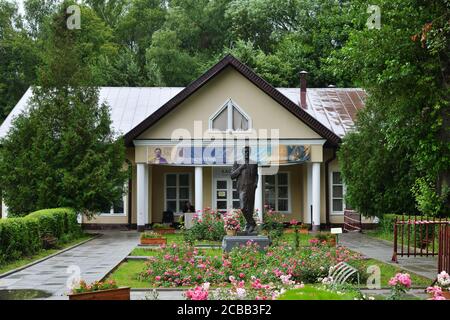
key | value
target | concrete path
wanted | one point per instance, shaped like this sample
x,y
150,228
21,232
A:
x,y
382,250
94,259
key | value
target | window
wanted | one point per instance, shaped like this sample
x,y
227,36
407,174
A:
x,y
178,191
337,192
118,208
230,117
277,192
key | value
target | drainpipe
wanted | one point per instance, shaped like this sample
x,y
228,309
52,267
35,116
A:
x,y
327,187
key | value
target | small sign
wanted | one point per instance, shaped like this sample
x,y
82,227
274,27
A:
x,y
336,230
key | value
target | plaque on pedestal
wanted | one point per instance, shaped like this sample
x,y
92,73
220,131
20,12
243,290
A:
x,y
230,242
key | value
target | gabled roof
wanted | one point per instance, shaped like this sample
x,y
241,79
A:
x,y
230,61
334,109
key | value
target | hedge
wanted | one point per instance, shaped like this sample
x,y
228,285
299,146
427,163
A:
x,y
20,237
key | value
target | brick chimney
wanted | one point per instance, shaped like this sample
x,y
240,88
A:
x,y
303,86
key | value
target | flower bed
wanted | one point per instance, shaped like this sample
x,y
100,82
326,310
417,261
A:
x,y
177,266
152,238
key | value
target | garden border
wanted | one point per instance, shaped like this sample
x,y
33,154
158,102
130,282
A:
x,y
8,273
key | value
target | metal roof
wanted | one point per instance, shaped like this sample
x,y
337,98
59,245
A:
x,y
334,108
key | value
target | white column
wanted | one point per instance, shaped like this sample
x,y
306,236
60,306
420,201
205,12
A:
x,y
199,190
146,187
259,205
309,191
142,197
316,196
149,199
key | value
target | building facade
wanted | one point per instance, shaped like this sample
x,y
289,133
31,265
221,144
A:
x,y
182,142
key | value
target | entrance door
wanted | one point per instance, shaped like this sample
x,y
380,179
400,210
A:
x,y
226,196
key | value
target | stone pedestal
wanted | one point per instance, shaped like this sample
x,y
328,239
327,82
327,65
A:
x,y
229,242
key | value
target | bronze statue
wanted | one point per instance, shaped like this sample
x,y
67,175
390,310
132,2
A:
x,y
247,180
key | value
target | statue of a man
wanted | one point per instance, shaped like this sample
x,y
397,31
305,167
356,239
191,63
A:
x,y
246,175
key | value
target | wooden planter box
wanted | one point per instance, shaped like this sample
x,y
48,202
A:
x,y
113,294
154,241
164,231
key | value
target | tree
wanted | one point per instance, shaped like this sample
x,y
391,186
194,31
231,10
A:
x,y
37,14
62,152
18,58
408,109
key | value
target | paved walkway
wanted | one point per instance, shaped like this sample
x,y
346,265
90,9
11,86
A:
x,y
382,250
95,259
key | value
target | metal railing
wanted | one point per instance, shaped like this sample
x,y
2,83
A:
x,y
444,249
417,236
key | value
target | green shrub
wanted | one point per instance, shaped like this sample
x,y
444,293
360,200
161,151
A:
x,y
209,227
21,237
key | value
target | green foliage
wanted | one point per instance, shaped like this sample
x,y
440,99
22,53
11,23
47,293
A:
x,y
428,201
18,58
21,237
62,152
170,43
209,227
401,135
273,224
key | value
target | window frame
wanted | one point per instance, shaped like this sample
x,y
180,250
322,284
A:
x,y
332,197
229,105
177,196
277,185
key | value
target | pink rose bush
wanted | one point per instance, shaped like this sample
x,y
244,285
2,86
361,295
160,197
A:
x,y
399,284
232,220
198,293
251,290
186,266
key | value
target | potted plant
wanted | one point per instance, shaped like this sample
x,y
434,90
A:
x,y
231,222
152,238
163,229
99,291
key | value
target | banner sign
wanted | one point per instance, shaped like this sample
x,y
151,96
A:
x,y
226,155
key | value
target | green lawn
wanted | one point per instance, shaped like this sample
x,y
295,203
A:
x,y
303,238
148,252
389,270
42,254
310,292
126,275
178,238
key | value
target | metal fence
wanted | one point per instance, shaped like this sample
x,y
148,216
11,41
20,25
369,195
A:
x,y
417,236
444,249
